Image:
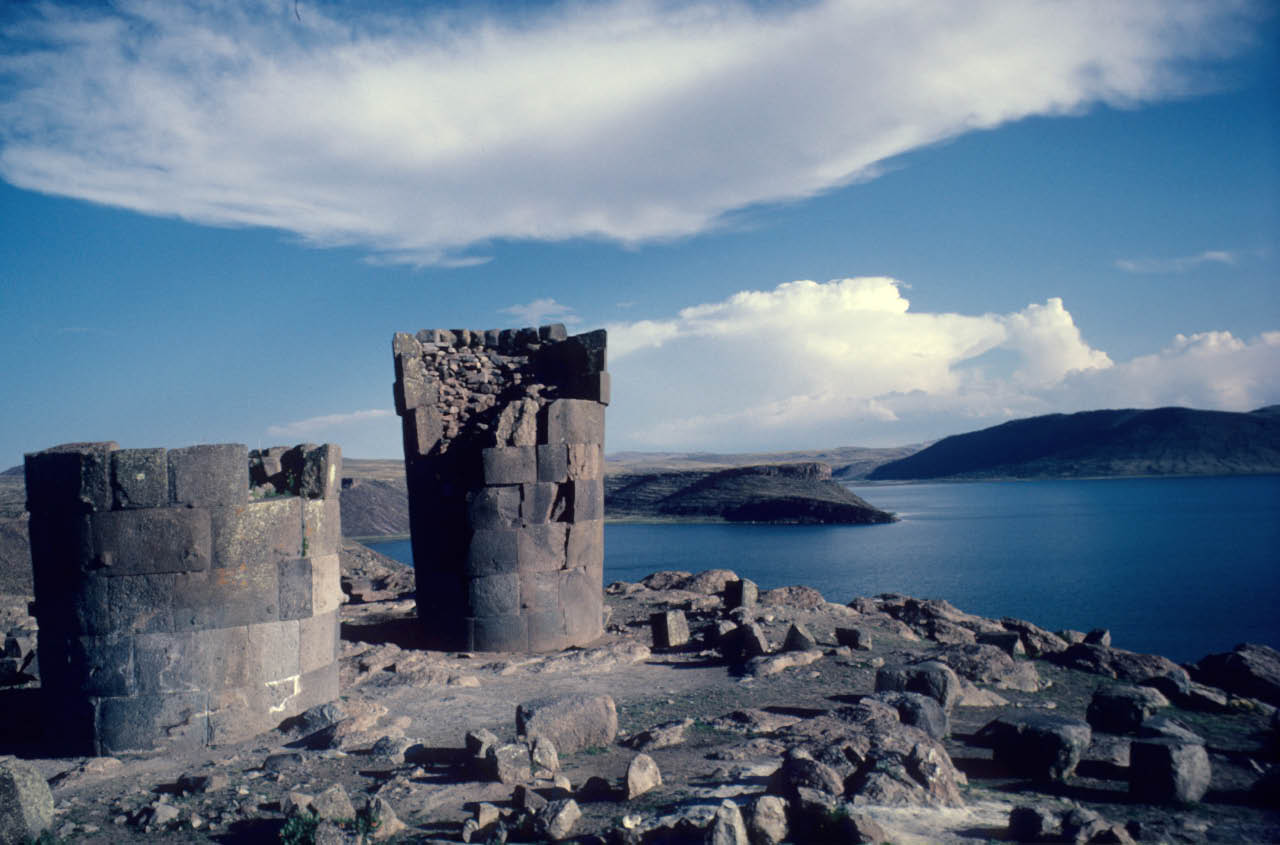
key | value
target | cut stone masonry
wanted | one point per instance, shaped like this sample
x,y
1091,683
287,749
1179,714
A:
x,y
177,604
504,453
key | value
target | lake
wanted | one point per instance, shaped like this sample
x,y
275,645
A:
x,y
1175,566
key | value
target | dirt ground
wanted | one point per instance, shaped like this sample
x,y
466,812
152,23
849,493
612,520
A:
x,y
427,701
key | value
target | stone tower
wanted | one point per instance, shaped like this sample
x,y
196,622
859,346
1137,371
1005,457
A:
x,y
178,606
504,453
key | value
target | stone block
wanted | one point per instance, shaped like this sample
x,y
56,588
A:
x,y
61,544
572,722
517,424
151,540
542,547
295,583
547,630
539,591
142,604
586,461
493,595
585,546
321,527
423,428
494,507
553,333
493,551
87,665
856,638
741,593
596,387
231,595
26,804
321,472
538,502
257,533
191,661
209,476
509,464
499,633
586,500
553,462
72,477
1168,772
594,347
139,478
318,641
581,600
670,629
273,650
149,722
326,583
573,421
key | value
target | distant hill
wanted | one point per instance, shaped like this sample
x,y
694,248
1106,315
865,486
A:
x,y
780,493
847,462
1164,441
373,508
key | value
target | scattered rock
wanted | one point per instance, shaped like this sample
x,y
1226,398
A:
x,y
1166,727
728,827
1098,636
1121,709
386,823
555,821
799,597
670,629
932,678
1041,746
767,820
919,711
772,665
1250,670
26,804
1010,643
857,639
542,753
710,582
510,763
799,639
1167,771
987,664
667,579
572,722
642,776
1120,664
1036,640
1032,824
741,593
333,804
660,736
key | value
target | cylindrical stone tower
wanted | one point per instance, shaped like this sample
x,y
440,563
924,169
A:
x,y
176,606
504,454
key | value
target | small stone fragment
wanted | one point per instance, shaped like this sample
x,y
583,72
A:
x,y
642,776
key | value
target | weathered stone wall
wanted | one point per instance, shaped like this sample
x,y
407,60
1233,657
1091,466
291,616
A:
x,y
504,454
177,606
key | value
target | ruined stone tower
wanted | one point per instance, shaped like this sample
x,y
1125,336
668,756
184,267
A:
x,y
176,605
504,453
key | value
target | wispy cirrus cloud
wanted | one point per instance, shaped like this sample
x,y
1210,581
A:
x,y
541,311
327,424
1180,264
423,135
812,363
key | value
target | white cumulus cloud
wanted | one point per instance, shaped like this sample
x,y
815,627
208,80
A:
x,y
848,362
422,135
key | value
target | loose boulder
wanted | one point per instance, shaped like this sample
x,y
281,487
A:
x,y
1165,771
642,776
26,804
1121,709
1040,746
919,711
670,629
1250,670
571,722
932,678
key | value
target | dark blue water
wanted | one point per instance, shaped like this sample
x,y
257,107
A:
x,y
1181,567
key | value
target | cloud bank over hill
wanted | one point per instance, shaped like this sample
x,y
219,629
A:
x,y
810,363
424,135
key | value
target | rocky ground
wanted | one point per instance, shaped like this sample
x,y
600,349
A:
x,y
887,719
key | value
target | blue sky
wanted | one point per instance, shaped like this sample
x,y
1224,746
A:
x,y
804,224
